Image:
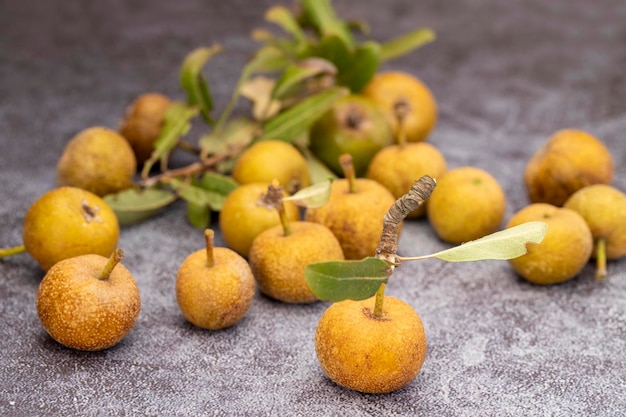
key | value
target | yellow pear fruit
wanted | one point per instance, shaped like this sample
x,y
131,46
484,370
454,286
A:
x,y
370,354
354,215
563,252
244,216
397,167
468,203
142,123
392,90
604,209
570,160
267,160
214,286
99,160
278,259
88,302
66,222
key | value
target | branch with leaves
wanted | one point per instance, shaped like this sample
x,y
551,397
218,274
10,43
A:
x,y
361,279
291,80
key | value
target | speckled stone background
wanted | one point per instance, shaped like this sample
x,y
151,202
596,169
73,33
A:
x,y
506,76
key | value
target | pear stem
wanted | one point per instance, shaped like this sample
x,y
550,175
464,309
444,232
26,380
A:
x,y
12,251
601,259
348,171
380,297
209,236
274,198
400,110
115,258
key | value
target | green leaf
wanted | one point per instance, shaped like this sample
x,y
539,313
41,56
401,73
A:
x,y
333,49
347,280
312,196
269,58
221,184
199,216
296,120
237,132
176,124
404,44
135,205
319,171
266,59
505,244
198,195
295,74
364,64
322,16
194,83
281,16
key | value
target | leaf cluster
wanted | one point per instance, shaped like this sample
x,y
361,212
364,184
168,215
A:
x,y
293,78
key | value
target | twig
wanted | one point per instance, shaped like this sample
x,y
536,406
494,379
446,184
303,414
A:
x,y
191,169
417,195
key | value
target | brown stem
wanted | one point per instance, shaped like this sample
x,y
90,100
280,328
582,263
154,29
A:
x,y
115,258
348,171
191,169
417,195
209,237
601,259
400,110
274,198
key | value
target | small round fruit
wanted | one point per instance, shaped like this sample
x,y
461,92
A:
x,y
397,167
467,204
393,89
570,160
142,123
278,261
88,302
273,159
368,354
355,125
604,209
355,218
67,222
563,252
243,216
214,287
99,160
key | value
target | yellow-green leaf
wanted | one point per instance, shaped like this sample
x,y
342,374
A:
x,y
313,196
505,244
194,83
281,16
176,124
406,43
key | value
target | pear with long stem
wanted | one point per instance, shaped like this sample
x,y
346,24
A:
x,y
604,209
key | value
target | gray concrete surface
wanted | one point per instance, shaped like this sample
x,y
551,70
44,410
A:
x,y
506,75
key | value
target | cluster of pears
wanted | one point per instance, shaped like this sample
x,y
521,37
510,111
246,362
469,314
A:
x,y
105,161
385,130
568,181
393,103
87,299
